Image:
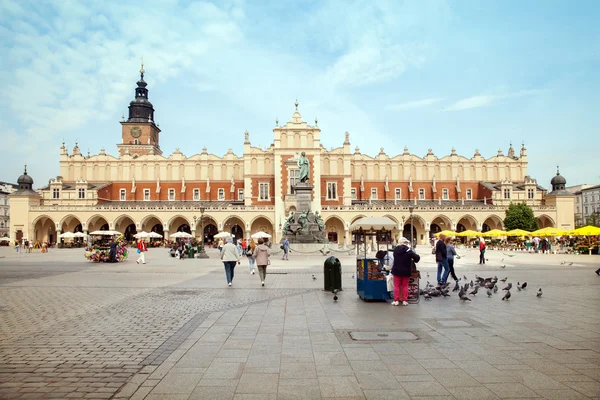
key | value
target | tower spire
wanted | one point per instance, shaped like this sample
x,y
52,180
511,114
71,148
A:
x,y
142,69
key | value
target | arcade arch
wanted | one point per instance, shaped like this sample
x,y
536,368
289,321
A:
x,y
179,224
466,222
438,224
97,223
126,225
261,223
71,223
234,225
335,230
44,230
491,222
545,221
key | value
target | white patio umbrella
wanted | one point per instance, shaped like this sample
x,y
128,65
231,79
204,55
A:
x,y
222,235
178,235
375,223
5,239
141,235
154,235
105,233
66,235
260,234
79,235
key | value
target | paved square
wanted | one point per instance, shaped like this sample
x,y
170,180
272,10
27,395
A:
x,y
174,330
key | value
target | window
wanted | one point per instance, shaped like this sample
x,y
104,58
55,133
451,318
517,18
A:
x,y
398,193
171,194
135,141
293,179
146,194
81,192
240,194
469,194
56,193
123,193
530,193
263,191
196,194
507,193
373,193
444,194
353,193
586,209
421,194
221,195
331,191
585,199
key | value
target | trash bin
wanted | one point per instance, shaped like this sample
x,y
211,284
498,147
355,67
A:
x,y
332,270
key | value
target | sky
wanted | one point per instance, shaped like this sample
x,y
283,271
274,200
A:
x,y
425,73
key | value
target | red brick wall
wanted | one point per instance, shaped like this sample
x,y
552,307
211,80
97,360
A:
x,y
112,191
340,190
255,180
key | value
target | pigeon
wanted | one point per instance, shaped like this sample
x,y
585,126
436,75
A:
x,y
456,287
474,291
489,293
570,264
524,285
563,263
428,274
508,287
509,255
487,259
518,288
445,293
314,277
495,288
471,284
503,280
463,297
539,292
335,297
507,295
465,277
504,266
518,283
427,296
502,260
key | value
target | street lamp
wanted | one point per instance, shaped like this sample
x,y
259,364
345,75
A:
x,y
411,208
202,253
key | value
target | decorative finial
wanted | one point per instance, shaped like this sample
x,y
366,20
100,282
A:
x,y
523,144
296,104
510,143
142,69
316,121
76,143
88,153
123,117
276,121
557,170
63,143
25,173
381,150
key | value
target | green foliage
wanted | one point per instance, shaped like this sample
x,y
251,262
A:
x,y
520,216
593,219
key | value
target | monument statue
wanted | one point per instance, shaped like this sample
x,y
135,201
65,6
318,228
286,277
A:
x,y
304,166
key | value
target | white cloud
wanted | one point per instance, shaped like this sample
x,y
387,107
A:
x,y
485,100
414,104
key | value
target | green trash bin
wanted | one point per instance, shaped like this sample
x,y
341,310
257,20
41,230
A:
x,y
332,270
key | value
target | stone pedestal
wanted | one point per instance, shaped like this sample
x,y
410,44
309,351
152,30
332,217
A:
x,y
304,226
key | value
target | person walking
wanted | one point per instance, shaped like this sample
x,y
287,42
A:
x,y
451,252
112,253
142,249
261,254
250,255
220,245
230,257
441,257
404,257
285,246
481,251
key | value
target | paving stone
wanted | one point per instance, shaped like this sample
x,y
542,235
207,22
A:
x,y
568,394
514,390
340,386
258,383
213,393
177,383
424,389
291,392
386,394
472,392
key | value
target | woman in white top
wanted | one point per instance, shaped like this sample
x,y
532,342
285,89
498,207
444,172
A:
x,y
230,257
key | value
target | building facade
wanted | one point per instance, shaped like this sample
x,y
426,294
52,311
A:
x,y
5,190
587,204
143,190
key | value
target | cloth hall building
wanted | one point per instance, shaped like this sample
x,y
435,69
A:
x,y
142,189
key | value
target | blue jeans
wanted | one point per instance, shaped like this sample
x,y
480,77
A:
x,y
229,268
443,264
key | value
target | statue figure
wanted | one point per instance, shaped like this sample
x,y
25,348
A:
x,y
303,220
304,166
286,224
319,221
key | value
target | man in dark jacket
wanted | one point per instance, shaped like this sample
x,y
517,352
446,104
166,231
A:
x,y
402,269
441,257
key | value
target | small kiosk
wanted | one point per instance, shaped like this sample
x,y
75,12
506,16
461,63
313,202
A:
x,y
371,277
99,246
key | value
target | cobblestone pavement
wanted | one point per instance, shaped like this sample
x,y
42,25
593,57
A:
x,y
173,330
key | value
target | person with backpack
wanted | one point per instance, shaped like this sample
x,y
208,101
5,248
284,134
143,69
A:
x,y
142,249
404,257
250,254
261,254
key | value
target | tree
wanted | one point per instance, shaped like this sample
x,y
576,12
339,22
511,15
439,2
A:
x,y
520,216
593,219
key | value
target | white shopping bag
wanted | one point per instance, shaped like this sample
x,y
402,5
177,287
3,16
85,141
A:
x,y
390,282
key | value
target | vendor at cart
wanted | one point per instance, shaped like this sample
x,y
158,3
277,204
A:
x,y
404,257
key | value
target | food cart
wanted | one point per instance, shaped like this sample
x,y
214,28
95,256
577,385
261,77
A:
x,y
98,249
371,282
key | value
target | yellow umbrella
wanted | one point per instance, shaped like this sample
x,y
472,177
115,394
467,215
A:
x,y
446,233
549,231
587,231
518,232
468,233
494,233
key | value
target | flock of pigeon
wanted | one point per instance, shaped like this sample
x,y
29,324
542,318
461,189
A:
x,y
490,285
